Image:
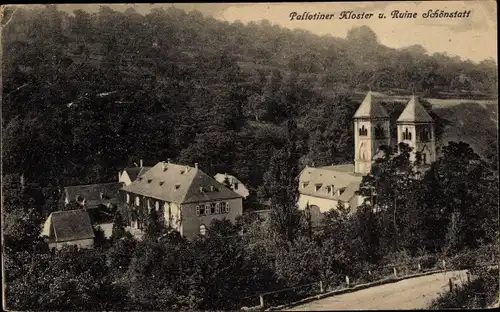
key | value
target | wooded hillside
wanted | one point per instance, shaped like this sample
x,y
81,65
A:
x,y
87,94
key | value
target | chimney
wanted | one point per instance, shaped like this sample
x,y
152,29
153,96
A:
x,y
168,160
140,162
196,165
163,165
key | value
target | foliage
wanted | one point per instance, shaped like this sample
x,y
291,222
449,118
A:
x,y
480,293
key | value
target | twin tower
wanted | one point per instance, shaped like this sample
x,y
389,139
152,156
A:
x,y
372,129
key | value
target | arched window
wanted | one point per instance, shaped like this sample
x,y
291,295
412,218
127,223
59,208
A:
x,y
379,132
425,135
363,131
406,134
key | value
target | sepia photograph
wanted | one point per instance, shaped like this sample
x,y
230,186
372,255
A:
x,y
272,156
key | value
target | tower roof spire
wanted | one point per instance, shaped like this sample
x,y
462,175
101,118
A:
x,y
370,108
414,112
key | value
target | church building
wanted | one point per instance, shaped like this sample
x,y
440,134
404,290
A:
x,y
323,188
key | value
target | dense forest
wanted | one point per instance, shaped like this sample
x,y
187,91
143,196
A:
x,y
86,94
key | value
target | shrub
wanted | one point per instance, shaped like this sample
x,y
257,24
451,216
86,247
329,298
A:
x,y
427,261
463,260
479,293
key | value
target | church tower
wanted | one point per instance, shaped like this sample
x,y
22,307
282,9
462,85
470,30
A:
x,y
371,130
416,128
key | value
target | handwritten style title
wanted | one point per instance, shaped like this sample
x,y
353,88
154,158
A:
x,y
396,14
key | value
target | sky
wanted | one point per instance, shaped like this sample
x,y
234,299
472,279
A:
x,y
473,38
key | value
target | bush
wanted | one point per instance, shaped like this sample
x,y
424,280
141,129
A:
x,y
479,293
427,261
464,260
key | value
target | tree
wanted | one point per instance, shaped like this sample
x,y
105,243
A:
x,y
280,184
119,224
226,182
153,227
390,184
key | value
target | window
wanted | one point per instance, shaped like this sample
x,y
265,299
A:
x,y
149,206
406,134
201,209
177,186
207,209
150,180
379,132
212,208
227,207
157,205
317,187
363,131
217,208
137,201
197,210
424,135
235,186
329,189
203,229
161,182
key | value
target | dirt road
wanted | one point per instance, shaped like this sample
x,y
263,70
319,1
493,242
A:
x,y
413,293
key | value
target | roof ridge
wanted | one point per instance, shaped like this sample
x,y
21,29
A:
x,y
93,184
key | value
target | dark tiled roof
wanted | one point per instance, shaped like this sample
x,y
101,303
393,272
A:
x,y
71,225
179,184
92,193
135,172
414,112
369,108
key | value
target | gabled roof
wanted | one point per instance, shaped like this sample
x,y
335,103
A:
x,y
414,112
369,108
135,172
92,193
179,184
314,181
68,225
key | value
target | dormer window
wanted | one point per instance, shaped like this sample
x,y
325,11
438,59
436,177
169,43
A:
x,y
340,191
137,201
304,184
317,187
212,188
161,182
182,171
235,185
102,195
140,178
177,186
202,189
150,180
329,189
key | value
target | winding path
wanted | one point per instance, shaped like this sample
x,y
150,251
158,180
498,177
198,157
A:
x,y
413,293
